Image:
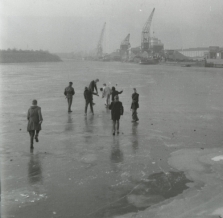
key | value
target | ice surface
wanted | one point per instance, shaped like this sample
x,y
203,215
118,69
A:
x,y
217,158
79,169
219,212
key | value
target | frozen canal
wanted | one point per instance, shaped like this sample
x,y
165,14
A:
x,y
168,165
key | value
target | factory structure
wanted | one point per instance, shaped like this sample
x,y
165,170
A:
x,y
212,55
152,48
194,53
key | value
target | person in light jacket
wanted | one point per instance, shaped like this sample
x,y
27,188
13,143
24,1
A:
x,y
35,120
69,92
106,94
135,105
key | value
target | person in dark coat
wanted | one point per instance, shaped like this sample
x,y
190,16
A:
x,y
69,92
92,87
35,120
135,105
88,100
116,110
115,92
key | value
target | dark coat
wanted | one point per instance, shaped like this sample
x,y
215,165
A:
x,y
114,93
87,95
135,101
116,107
93,86
69,92
34,116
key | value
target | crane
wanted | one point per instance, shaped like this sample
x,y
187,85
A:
x,y
145,40
100,42
124,48
125,43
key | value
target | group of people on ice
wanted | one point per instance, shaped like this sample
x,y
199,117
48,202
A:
x,y
35,118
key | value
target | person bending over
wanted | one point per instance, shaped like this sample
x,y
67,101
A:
x,y
92,87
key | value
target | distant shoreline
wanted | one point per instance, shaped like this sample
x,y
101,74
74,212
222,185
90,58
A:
x,y
27,56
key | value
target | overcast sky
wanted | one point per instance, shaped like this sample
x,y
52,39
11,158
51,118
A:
x,y
74,25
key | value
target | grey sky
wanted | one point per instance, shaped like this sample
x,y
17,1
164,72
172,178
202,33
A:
x,y
72,25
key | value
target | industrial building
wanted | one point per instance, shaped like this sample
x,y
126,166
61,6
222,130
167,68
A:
x,y
200,53
214,57
194,53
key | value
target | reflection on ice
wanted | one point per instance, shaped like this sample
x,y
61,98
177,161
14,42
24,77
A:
x,y
69,125
89,124
34,169
116,153
135,138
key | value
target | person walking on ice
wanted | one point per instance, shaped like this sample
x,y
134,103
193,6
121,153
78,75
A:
x,y
106,94
69,92
135,105
35,120
88,100
117,110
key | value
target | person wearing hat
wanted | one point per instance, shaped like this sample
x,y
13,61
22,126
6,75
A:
x,y
35,119
69,92
135,105
116,110
106,91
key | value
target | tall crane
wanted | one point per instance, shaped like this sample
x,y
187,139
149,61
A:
x,y
100,43
145,40
124,48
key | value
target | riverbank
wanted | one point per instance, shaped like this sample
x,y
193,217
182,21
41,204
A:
x,y
185,63
22,56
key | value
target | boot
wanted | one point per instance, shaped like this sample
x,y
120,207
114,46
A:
x,y
36,138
